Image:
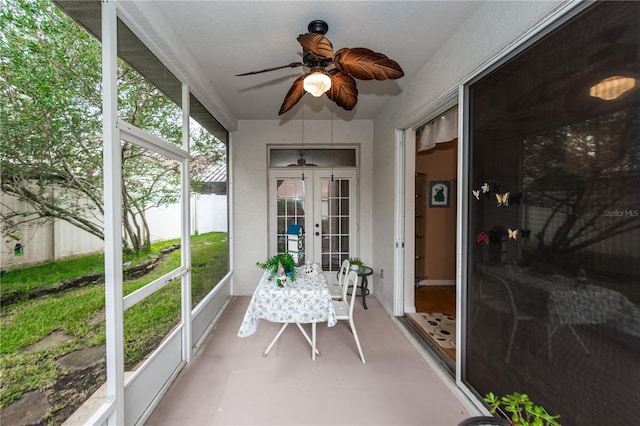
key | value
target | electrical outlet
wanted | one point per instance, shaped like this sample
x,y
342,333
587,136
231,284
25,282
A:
x,y
381,273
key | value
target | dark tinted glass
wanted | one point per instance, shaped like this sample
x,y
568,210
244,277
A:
x,y
554,221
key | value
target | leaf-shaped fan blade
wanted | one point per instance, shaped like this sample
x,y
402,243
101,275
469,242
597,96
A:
x,y
293,95
317,44
343,90
366,64
291,65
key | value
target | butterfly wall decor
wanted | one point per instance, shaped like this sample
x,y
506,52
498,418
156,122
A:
x,y
513,234
482,238
485,189
503,199
526,233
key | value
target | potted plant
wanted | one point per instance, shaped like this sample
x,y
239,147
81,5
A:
x,y
521,410
284,259
355,263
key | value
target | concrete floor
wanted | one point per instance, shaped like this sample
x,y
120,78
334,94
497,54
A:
x,y
229,382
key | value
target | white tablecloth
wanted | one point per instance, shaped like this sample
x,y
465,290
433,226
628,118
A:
x,y
306,300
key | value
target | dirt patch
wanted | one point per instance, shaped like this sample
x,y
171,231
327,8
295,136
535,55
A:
x,y
72,389
85,373
58,402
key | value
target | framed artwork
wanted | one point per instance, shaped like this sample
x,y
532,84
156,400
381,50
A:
x,y
439,193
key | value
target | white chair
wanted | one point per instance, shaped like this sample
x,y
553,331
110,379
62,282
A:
x,y
336,290
344,309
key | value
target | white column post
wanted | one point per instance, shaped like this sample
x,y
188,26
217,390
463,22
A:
x,y
185,202
112,169
399,287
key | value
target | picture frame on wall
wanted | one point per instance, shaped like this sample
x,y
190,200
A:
x,y
439,193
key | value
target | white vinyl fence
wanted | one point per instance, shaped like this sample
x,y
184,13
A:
x,y
56,239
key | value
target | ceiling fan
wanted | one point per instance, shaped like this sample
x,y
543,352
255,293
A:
x,y
301,162
333,73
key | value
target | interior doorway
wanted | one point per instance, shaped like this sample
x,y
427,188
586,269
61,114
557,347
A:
x,y
436,156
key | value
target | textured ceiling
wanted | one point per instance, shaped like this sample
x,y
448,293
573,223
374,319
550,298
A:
x,y
226,38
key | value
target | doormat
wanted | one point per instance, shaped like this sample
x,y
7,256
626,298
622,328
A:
x,y
440,327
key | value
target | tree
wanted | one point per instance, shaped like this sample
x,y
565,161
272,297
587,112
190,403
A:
x,y
51,123
581,174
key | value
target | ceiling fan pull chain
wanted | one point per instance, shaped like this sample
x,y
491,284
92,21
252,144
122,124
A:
x,y
333,155
302,153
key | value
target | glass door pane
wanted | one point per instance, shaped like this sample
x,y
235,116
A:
x,y
324,206
335,219
289,199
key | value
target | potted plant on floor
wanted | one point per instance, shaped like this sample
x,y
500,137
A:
x,y
520,409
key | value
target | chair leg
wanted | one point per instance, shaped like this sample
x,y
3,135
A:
x,y
355,336
550,332
511,338
475,317
575,333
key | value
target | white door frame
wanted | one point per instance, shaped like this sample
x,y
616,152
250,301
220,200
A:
x,y
313,208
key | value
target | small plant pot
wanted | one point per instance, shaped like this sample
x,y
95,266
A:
x,y
355,267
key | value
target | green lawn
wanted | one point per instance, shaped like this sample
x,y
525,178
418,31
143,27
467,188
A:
x,y
69,311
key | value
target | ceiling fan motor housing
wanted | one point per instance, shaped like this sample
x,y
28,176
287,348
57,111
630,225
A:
x,y
318,27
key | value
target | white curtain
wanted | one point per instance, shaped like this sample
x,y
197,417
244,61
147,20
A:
x,y
442,129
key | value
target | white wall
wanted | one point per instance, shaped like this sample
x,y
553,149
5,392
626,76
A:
x,y
250,185
493,27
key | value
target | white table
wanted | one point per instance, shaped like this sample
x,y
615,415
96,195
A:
x,y
305,300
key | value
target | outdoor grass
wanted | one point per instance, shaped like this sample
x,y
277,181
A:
x,y
145,324
23,280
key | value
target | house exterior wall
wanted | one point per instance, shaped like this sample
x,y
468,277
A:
x,y
491,29
250,185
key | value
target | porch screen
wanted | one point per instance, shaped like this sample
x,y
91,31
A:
x,y
554,221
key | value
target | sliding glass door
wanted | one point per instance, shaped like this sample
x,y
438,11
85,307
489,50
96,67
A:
x,y
553,246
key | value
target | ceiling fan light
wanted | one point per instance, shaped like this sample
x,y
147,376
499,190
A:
x,y
612,88
317,83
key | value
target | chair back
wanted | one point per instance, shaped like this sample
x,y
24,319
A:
x,y
344,270
495,293
352,281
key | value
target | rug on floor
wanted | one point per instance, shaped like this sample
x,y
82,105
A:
x,y
440,327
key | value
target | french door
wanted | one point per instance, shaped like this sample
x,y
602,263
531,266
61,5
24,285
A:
x,y
324,203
